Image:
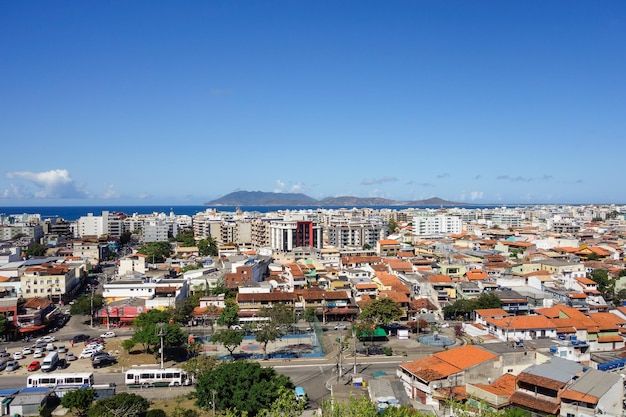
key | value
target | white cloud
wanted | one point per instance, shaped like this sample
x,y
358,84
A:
x,y
55,183
476,195
280,186
110,192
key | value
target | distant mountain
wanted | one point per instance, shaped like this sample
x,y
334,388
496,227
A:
x,y
260,198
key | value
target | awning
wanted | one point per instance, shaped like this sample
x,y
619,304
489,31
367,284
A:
x,y
31,328
127,319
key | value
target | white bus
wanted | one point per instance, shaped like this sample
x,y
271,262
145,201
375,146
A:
x,y
77,379
146,377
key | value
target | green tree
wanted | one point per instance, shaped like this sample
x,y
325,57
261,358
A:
x,y
120,405
35,249
601,278
199,365
156,252
147,327
79,401
285,405
310,314
486,300
229,338
269,330
241,385
125,237
208,247
392,226
229,314
620,295
4,324
82,306
381,310
186,238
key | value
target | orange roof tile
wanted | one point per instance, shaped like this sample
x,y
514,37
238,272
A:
x,y
523,322
465,356
440,278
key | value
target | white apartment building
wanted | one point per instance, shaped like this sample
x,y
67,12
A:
x,y
355,233
156,230
285,235
436,225
91,225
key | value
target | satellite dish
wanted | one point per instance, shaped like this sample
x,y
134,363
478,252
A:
x,y
274,283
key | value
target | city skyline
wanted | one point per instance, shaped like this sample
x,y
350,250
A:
x,y
159,103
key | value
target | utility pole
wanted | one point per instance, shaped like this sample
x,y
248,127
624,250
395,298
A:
x,y
213,392
161,334
354,337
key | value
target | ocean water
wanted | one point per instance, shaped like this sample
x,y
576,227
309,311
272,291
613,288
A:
x,y
71,213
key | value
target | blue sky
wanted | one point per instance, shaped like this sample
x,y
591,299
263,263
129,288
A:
x,y
130,102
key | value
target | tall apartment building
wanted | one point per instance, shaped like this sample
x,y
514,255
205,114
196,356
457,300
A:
x,y
355,234
433,224
29,230
157,230
285,235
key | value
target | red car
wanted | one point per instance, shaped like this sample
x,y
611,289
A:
x,y
34,366
94,340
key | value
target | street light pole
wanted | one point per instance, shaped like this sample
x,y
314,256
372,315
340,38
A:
x,y
213,392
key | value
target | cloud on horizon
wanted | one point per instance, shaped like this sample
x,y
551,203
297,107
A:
x,y
55,183
374,181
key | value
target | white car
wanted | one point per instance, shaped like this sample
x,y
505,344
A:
x,y
106,335
39,353
444,325
88,353
18,355
50,347
46,339
340,326
27,350
94,346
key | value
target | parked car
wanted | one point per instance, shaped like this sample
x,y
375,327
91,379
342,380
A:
x,y
106,335
34,366
50,347
12,365
3,365
39,353
98,361
61,349
70,357
340,326
46,339
94,340
5,355
26,350
236,327
18,355
444,325
80,338
99,346
88,353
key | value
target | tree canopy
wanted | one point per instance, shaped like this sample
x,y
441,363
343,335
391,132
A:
x,y
147,327
601,278
464,308
35,249
229,314
241,385
122,404
79,401
229,338
156,251
82,306
381,310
